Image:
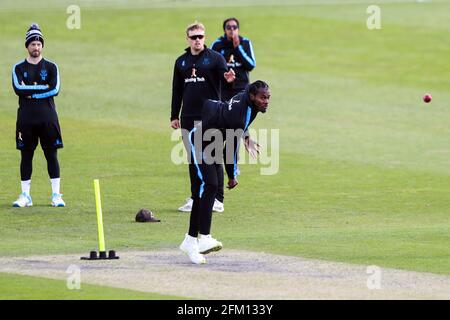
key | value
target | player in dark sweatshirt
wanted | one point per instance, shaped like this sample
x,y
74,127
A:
x,y
219,119
197,76
238,52
36,81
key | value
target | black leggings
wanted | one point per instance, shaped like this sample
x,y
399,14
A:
x,y
187,124
26,164
205,183
201,213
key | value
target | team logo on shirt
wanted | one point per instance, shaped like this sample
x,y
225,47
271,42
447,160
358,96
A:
x,y
43,74
194,73
58,143
206,61
25,74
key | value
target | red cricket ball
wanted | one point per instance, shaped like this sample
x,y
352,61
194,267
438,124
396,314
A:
x,y
427,98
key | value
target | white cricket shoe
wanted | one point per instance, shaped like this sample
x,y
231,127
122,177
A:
x,y
207,244
57,200
187,207
190,247
24,200
218,206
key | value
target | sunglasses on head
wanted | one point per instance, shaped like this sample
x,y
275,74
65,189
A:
x,y
196,36
233,27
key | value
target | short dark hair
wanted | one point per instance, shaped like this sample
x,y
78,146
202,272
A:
x,y
254,87
230,19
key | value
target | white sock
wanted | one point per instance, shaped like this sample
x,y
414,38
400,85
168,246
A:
x,y
26,185
55,185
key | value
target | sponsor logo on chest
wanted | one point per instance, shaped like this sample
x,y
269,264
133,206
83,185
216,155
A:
x,y
194,77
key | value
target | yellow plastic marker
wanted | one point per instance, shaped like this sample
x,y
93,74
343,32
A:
x,y
98,206
101,237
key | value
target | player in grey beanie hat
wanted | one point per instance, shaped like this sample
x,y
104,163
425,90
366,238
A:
x,y
34,34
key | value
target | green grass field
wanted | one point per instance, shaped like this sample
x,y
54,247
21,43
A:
x,y
15,287
364,163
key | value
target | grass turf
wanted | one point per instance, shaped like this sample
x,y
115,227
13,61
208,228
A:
x,y
364,163
16,287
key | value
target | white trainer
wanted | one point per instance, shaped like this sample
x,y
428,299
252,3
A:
x,y
57,200
187,207
207,244
24,200
218,206
190,247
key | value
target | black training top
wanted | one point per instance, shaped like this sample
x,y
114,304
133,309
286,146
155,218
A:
x,y
36,85
195,79
236,114
241,59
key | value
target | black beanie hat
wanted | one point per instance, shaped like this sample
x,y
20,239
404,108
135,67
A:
x,y
34,34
